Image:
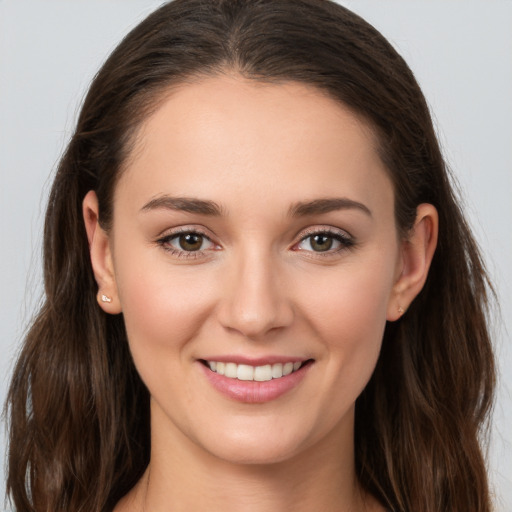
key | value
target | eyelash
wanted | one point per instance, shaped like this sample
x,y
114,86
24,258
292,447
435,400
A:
x,y
165,241
345,240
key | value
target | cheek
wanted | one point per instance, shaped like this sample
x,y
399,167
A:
x,y
347,310
163,308
352,299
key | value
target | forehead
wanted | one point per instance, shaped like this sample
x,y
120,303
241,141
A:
x,y
228,135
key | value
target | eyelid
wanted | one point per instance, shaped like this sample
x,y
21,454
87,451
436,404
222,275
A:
x,y
164,238
188,228
315,230
345,239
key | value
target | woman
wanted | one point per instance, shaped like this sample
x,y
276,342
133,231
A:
x,y
260,291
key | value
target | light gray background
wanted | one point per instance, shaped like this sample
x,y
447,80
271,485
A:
x,y
461,53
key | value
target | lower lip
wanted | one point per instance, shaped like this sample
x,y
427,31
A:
x,y
253,392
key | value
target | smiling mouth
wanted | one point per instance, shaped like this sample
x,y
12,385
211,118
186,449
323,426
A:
x,y
247,372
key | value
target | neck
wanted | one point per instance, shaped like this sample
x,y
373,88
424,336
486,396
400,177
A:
x,y
183,477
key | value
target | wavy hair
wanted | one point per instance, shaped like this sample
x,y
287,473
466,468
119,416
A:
x,y
79,431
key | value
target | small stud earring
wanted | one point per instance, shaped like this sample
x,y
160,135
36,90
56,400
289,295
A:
x,y
104,298
400,310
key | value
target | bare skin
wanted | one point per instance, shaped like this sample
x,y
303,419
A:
x,y
254,223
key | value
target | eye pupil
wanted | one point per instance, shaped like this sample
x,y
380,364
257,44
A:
x,y
191,241
321,242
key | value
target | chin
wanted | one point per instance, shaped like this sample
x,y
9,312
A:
x,y
240,453
257,447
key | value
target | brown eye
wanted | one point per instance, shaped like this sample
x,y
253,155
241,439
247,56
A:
x,y
321,243
190,241
325,242
187,243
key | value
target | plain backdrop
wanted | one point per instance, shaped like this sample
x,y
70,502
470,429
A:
x,y
460,51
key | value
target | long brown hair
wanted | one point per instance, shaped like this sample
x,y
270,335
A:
x,y
79,413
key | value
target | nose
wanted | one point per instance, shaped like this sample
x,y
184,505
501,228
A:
x,y
255,300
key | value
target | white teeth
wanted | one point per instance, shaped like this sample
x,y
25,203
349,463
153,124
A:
x,y
230,370
277,370
263,373
287,368
245,372
254,373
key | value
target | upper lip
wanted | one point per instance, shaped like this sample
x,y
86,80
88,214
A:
x,y
255,361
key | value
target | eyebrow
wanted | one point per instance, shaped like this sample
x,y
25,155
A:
x,y
319,206
184,204
207,207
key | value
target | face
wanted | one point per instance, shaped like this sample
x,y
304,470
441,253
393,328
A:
x,y
254,255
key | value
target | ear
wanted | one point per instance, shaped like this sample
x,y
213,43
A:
x,y
101,256
417,251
